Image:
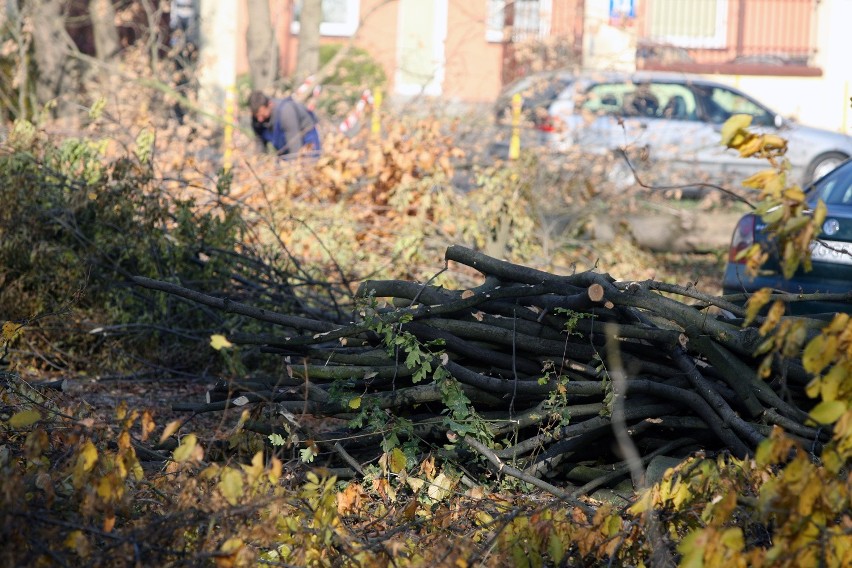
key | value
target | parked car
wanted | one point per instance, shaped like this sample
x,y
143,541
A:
x,y
831,255
674,121
538,91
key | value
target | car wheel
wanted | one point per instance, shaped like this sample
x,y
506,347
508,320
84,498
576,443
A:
x,y
823,164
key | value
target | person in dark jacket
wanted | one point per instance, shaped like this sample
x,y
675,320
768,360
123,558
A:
x,y
285,124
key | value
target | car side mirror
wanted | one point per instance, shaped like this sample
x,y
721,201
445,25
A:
x,y
779,121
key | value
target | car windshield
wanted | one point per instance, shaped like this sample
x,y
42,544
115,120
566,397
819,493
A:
x,y
836,187
539,87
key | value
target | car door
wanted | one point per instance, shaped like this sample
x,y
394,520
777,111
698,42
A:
x,y
715,105
656,123
670,135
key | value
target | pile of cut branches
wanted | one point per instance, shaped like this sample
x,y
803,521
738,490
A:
x,y
536,375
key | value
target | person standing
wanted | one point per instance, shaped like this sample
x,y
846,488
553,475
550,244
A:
x,y
286,124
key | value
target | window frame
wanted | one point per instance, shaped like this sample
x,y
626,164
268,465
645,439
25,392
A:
x,y
717,41
335,29
493,8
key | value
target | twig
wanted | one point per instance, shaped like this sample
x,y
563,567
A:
x,y
485,452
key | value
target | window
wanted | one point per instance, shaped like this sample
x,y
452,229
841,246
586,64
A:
x,y
837,188
339,17
696,24
671,101
528,18
720,104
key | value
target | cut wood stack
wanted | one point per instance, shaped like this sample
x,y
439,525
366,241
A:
x,y
548,366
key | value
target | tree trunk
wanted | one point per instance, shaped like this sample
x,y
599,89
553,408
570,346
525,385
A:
x,y
102,15
262,46
217,60
57,73
307,59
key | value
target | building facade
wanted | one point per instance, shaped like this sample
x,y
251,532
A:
x,y
791,54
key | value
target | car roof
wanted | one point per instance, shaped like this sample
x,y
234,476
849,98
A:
x,y
649,76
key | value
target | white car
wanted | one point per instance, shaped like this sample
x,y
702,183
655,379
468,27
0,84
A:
x,y
671,125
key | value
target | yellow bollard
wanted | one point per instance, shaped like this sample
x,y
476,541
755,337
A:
x,y
228,136
515,141
376,124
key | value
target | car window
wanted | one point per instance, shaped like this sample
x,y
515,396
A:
x,y
676,102
836,187
720,104
651,100
606,98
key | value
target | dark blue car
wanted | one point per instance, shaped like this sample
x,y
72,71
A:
x,y
831,254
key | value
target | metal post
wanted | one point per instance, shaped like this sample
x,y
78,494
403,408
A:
x,y
376,124
515,141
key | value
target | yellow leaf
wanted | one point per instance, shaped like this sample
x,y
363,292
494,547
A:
x,y
828,411
232,545
733,126
275,468
11,330
105,488
187,447
170,429
773,317
813,388
24,418
77,541
147,425
755,303
355,403
733,539
680,493
231,485
642,505
415,483
830,384
794,194
839,323
773,142
692,548
555,548
88,456
219,342
819,213
749,147
761,179
794,224
86,459
227,557
807,496
440,487
397,461
138,472
773,216
121,410
254,471
819,353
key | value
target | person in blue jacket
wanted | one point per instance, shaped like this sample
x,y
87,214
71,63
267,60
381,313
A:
x,y
288,125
